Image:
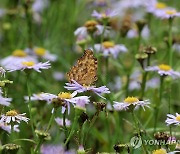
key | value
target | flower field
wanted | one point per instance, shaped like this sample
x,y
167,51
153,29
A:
x,y
89,76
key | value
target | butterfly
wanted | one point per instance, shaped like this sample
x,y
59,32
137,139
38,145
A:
x,y
85,70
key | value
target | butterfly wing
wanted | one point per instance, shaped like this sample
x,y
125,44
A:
x,y
85,70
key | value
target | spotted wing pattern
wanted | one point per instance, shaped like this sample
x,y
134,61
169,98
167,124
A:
x,y
85,70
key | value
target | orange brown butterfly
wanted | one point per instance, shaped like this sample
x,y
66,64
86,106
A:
x,y
85,70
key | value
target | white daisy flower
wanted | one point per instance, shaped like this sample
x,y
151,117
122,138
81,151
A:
x,y
168,13
2,72
39,5
13,116
41,97
68,98
110,48
7,128
171,119
17,57
39,52
80,88
154,6
59,121
30,65
90,26
105,15
164,70
130,102
133,33
5,101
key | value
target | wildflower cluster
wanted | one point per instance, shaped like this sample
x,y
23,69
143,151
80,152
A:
x,y
89,76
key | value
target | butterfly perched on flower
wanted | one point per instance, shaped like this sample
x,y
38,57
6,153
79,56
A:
x,y
84,71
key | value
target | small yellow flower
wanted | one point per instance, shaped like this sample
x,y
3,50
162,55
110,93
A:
x,y
159,151
164,67
160,5
28,63
64,95
131,100
108,44
40,51
11,113
19,53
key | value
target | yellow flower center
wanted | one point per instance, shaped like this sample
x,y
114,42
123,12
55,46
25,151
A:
x,y
19,53
86,86
11,113
90,23
108,44
131,100
178,118
28,63
104,15
40,51
64,95
171,12
164,67
160,151
160,5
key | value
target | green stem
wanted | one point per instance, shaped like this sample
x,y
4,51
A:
x,y
143,86
169,107
64,123
92,42
106,69
139,131
29,22
47,129
65,128
50,121
139,42
73,127
82,132
104,29
157,105
29,106
150,17
127,85
12,131
38,146
91,124
170,41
